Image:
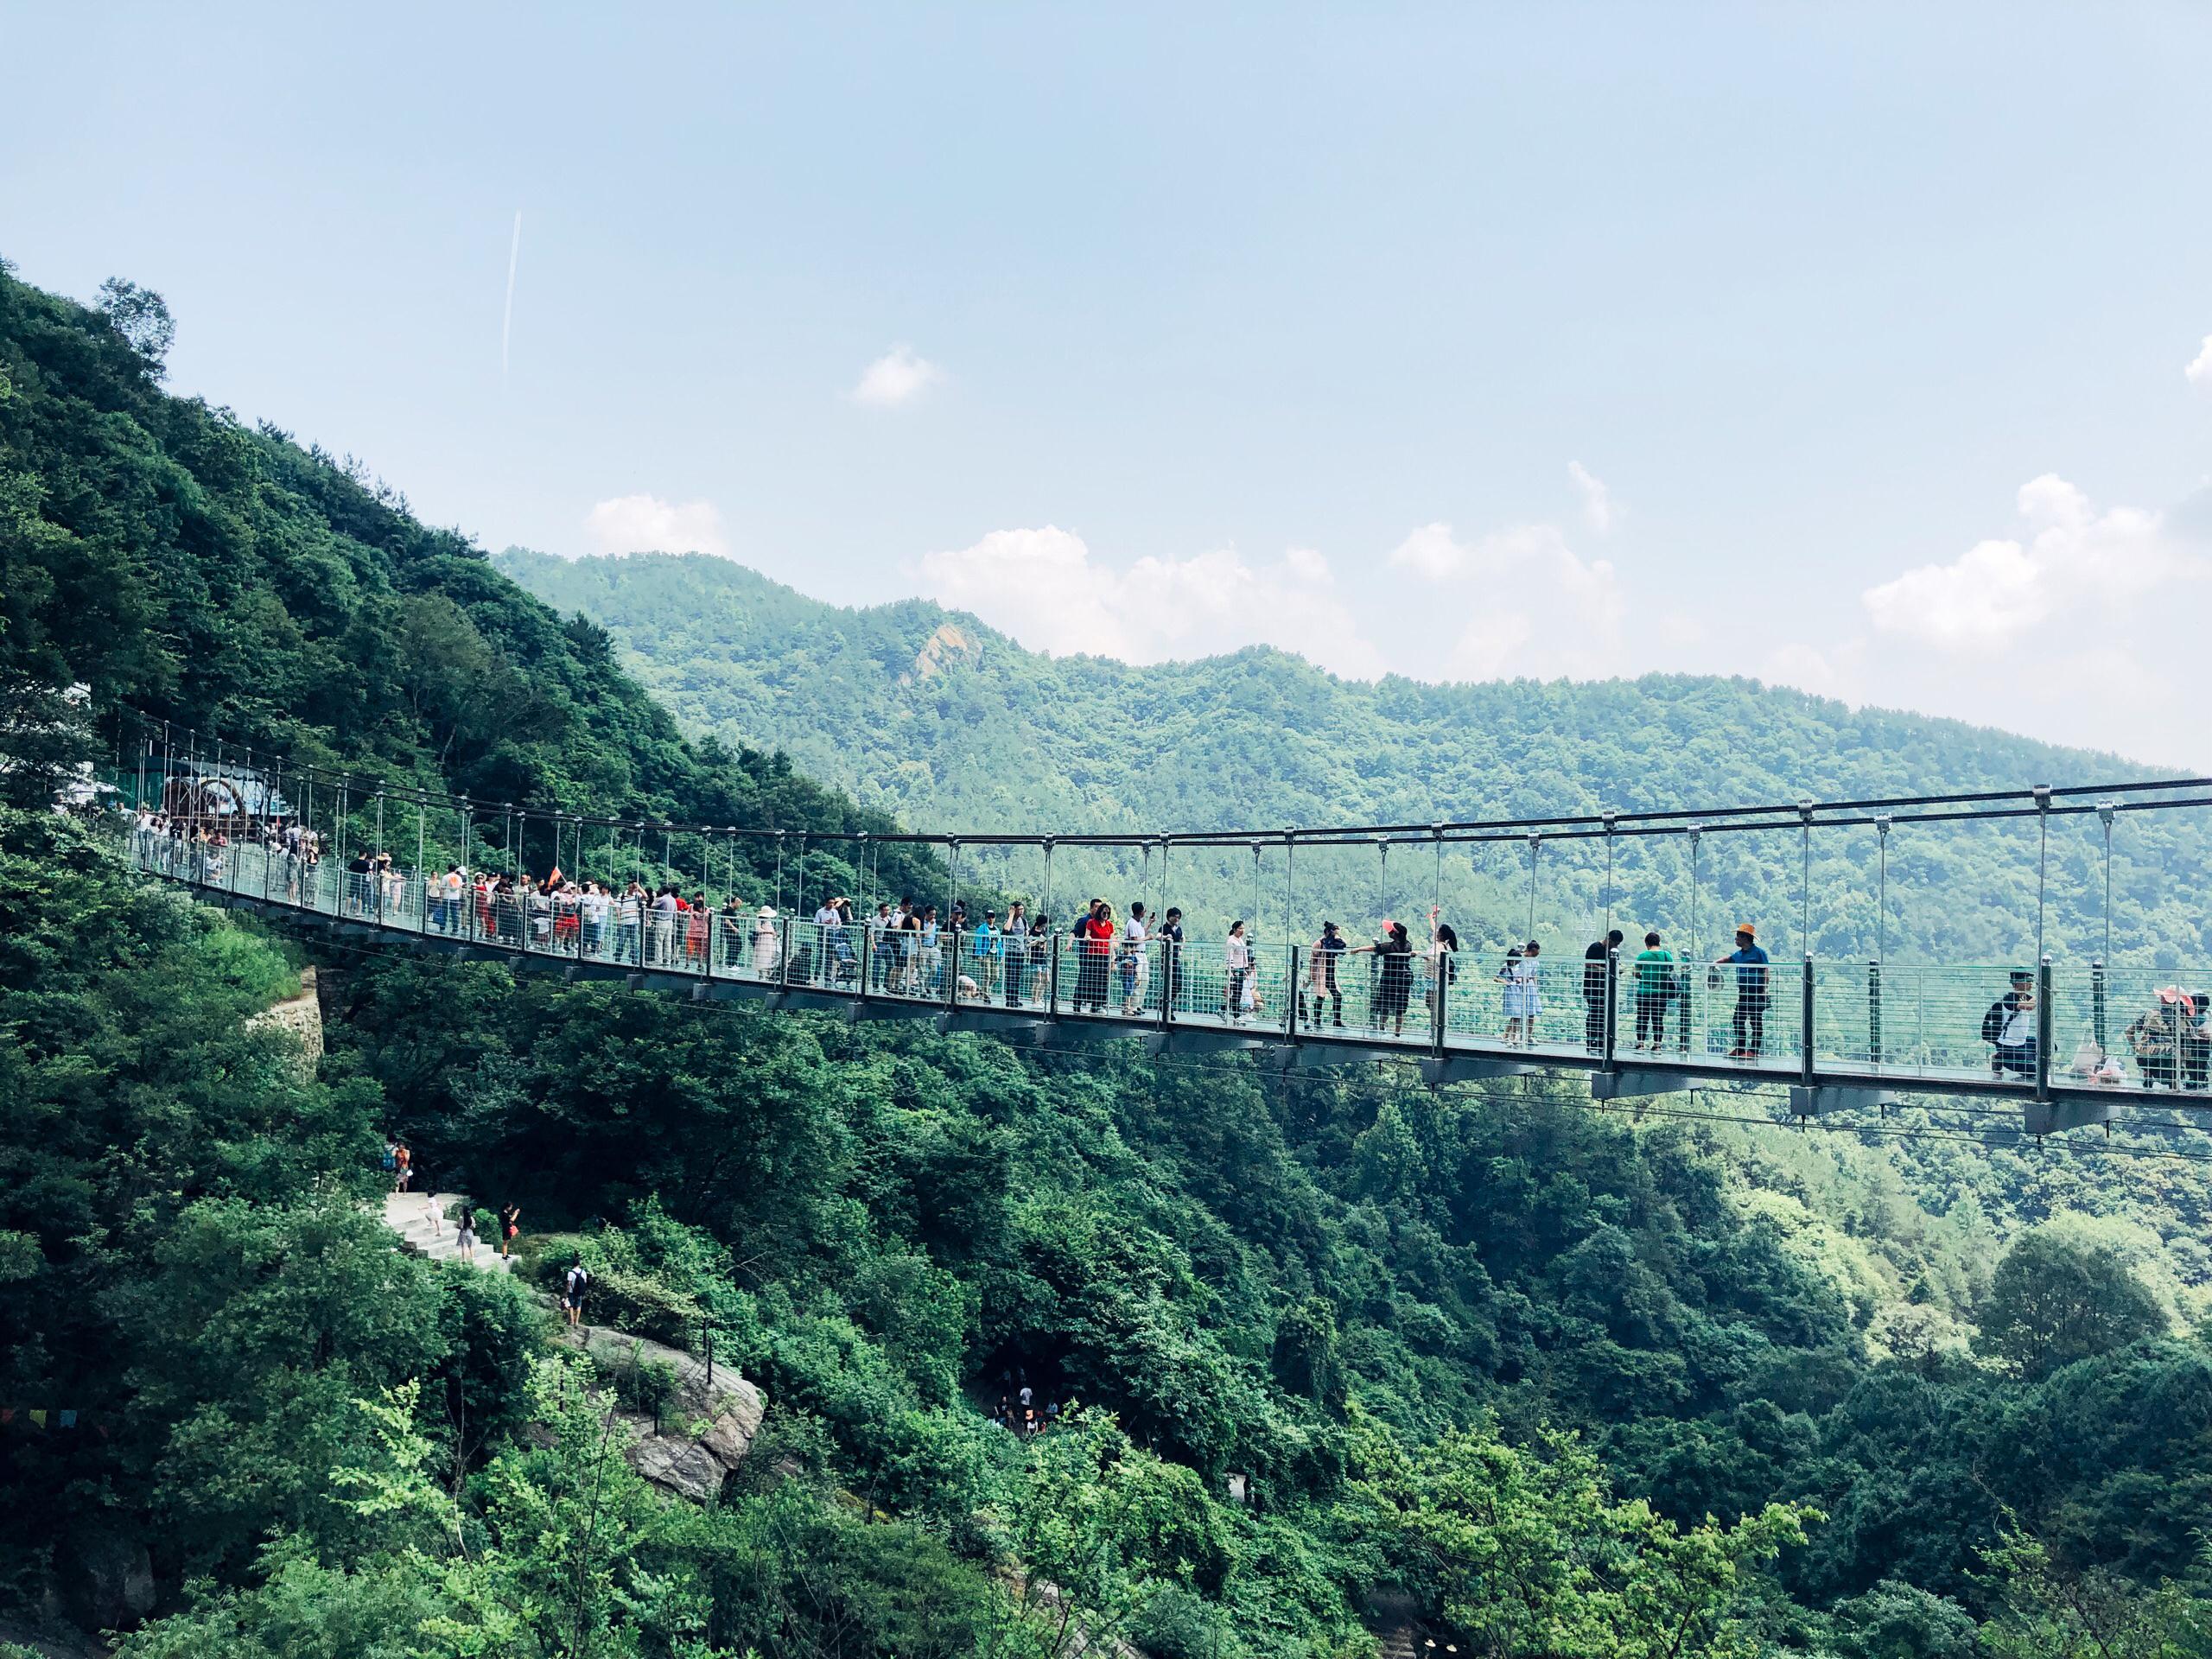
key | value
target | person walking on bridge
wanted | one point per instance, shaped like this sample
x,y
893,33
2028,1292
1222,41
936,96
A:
x,y
1597,981
1748,1028
1655,986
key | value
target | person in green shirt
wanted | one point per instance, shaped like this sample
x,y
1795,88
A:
x,y
1655,984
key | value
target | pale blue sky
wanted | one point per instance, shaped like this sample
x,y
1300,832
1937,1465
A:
x,y
1813,293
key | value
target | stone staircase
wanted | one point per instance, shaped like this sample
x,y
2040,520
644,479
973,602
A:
x,y
410,1215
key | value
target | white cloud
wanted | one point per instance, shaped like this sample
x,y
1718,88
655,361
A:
x,y
2077,561
646,524
898,377
1042,587
1988,597
1598,509
1430,552
1535,606
2199,371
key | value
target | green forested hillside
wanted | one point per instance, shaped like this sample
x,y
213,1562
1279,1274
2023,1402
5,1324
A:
x,y
1531,1379
221,576
953,727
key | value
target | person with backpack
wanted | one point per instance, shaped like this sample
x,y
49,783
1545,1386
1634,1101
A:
x,y
574,1290
2009,1027
1654,988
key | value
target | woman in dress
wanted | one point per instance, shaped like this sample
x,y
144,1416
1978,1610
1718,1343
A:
x,y
767,953
1523,999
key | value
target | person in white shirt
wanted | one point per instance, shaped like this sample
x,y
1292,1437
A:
x,y
1015,942
1136,961
878,926
629,917
664,909
1236,962
592,913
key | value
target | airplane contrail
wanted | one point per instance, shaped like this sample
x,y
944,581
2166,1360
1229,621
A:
x,y
507,322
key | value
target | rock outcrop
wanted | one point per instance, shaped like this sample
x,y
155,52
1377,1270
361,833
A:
x,y
302,1015
705,1426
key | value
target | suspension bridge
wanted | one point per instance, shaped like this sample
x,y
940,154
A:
x,y
2073,1043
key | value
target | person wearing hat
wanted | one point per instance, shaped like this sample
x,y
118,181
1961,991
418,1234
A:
x,y
767,946
2156,1038
2010,1028
1748,1028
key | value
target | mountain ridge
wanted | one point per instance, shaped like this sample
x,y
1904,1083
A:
x,y
998,738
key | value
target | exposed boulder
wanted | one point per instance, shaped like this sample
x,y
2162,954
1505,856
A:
x,y
106,1580
700,1429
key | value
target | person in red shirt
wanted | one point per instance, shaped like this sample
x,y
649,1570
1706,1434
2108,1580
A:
x,y
1094,944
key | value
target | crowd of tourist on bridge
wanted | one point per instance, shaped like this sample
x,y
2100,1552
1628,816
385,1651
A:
x,y
1131,964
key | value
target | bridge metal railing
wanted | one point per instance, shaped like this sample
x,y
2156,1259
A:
x,y
2078,1026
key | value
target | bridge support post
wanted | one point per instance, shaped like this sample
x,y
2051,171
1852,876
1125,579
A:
x,y
1818,1100
2072,1112
1635,1084
1805,1025
1609,1005
1437,1070
2044,1027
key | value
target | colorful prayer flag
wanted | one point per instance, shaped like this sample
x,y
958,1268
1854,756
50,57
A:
x,y
69,1419
38,1418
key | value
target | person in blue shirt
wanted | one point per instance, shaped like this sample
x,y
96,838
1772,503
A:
x,y
1748,1029
987,949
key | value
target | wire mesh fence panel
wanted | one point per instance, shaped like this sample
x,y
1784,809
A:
x,y
1230,984
1750,1013
1922,1020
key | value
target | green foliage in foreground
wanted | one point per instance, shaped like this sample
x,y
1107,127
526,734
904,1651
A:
x,y
876,1222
